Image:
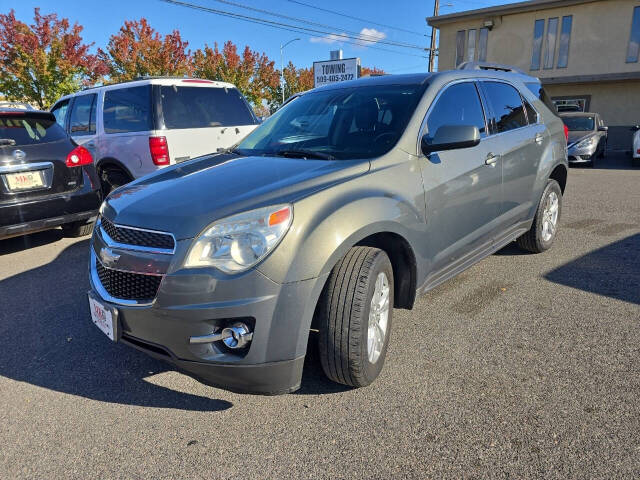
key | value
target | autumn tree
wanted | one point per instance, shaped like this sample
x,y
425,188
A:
x,y
44,60
252,72
366,71
295,80
138,50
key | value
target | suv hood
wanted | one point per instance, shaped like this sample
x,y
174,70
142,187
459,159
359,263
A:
x,y
185,198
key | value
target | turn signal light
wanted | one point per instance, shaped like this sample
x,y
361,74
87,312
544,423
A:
x,y
79,156
159,150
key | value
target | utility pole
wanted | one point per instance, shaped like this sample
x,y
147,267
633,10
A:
x,y
432,51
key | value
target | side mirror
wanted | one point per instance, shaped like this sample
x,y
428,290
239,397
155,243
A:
x,y
451,137
603,129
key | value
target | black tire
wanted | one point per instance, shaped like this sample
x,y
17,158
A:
x,y
344,317
112,178
77,229
533,241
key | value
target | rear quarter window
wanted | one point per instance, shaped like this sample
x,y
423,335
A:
x,y
203,107
542,94
127,110
26,130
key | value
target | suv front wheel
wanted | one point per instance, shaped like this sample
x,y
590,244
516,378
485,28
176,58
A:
x,y
355,313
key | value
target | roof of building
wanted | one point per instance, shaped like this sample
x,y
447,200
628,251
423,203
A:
x,y
508,9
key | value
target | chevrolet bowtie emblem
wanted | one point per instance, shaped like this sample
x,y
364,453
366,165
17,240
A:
x,y
108,257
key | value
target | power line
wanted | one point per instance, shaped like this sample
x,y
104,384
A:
x,y
365,37
333,12
284,26
358,36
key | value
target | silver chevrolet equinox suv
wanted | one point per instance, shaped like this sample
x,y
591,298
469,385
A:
x,y
349,201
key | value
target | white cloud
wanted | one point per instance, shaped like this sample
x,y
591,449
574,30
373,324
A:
x,y
331,38
372,35
369,36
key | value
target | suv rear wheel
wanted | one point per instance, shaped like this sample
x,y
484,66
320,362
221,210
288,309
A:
x,y
355,313
112,178
545,224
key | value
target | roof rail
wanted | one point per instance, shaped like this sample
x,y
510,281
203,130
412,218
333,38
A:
x,y
498,67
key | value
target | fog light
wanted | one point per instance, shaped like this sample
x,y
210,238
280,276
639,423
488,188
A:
x,y
237,335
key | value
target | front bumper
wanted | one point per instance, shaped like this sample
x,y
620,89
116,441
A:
x,y
198,302
581,155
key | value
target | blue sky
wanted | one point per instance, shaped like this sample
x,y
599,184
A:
x,y
103,18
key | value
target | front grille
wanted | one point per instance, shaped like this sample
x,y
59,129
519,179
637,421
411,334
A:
x,y
132,236
128,286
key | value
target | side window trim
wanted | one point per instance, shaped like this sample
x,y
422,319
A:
x,y
499,80
444,88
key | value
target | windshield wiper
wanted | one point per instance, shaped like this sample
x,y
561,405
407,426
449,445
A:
x,y
303,154
7,141
233,150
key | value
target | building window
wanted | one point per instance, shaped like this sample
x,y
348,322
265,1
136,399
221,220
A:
x,y
471,46
550,46
565,37
460,47
634,39
538,32
482,44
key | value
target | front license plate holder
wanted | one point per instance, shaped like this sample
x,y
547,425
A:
x,y
104,316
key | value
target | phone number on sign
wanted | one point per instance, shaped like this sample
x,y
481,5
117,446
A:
x,y
334,78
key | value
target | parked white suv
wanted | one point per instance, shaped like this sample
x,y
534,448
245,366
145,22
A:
x,y
135,128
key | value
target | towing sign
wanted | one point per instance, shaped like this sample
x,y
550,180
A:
x,y
334,71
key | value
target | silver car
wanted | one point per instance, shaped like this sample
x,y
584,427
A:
x,y
351,200
587,139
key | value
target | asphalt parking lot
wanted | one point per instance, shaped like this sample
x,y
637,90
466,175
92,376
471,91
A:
x,y
524,366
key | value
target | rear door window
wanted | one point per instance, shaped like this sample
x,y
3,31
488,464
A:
x,y
506,105
202,107
127,110
83,115
29,130
459,104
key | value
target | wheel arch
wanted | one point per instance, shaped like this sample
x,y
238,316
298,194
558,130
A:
x,y
112,162
559,174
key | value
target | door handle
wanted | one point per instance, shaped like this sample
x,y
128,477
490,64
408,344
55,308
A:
x,y
491,160
90,144
539,139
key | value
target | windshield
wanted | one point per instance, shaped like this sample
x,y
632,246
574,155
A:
x,y
579,124
343,124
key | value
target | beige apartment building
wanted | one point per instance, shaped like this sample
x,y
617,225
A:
x,y
586,52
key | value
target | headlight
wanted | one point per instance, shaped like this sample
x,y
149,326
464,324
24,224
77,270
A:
x,y
235,244
586,143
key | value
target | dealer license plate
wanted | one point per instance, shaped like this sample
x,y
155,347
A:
x,y
103,317
24,180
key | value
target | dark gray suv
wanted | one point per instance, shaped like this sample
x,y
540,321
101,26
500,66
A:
x,y
349,201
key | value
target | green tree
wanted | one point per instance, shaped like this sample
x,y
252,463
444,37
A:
x,y
44,60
